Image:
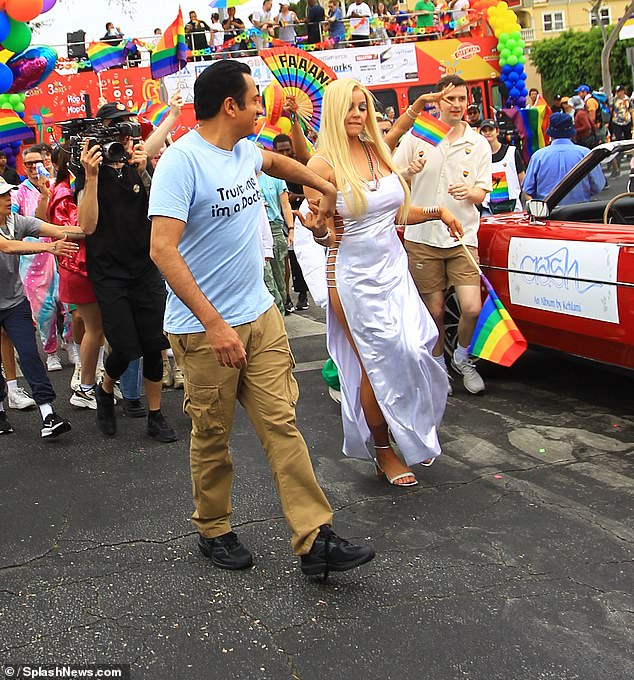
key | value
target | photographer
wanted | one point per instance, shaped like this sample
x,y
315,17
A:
x,y
129,289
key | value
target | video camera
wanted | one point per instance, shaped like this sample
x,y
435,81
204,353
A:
x,y
77,130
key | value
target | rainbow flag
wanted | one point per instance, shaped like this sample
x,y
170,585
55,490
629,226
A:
x,y
154,112
104,56
170,54
500,190
430,129
72,180
266,135
13,128
496,337
536,121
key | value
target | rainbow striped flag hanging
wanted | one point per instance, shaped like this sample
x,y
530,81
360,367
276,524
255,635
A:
x,y
496,337
430,129
13,128
536,121
104,56
170,54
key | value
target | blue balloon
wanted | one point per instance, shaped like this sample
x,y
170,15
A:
x,y
506,69
514,93
513,77
518,68
520,84
524,93
5,26
6,77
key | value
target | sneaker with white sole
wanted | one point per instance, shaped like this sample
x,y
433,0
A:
x,y
86,399
53,363
19,399
53,426
75,381
470,377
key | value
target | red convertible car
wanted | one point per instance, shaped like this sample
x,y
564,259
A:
x,y
565,273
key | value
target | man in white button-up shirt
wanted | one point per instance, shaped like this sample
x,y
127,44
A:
x,y
457,176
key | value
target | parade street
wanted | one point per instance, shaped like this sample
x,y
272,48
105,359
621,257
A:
x,y
512,560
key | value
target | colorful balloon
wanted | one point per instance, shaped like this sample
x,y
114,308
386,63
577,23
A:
x,y
23,10
19,37
31,67
284,124
6,77
5,26
47,5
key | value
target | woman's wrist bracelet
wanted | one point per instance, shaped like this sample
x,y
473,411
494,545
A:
x,y
432,211
411,113
325,237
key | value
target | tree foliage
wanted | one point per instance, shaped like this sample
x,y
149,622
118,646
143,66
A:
x,y
574,57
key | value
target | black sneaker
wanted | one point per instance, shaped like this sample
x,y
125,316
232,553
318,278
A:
x,y
160,429
225,551
302,301
134,408
5,425
333,553
53,426
288,307
106,419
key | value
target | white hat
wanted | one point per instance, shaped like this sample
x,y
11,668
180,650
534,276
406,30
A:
x,y
5,186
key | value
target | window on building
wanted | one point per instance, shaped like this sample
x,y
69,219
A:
x,y
553,21
604,16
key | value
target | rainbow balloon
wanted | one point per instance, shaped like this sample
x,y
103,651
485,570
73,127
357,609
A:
x,y
496,337
430,129
12,127
303,77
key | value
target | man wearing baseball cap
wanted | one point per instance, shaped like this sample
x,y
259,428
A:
x,y
590,103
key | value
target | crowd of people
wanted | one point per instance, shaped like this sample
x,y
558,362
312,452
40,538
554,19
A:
x,y
361,23
189,248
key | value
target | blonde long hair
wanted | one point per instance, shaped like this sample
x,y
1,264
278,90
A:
x,y
334,144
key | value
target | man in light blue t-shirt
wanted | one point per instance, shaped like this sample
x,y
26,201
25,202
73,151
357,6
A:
x,y
227,335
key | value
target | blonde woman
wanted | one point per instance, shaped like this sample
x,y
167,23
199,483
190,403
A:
x,y
379,333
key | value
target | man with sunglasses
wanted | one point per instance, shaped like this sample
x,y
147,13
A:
x,y
129,289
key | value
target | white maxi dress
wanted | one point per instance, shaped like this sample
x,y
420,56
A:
x,y
391,327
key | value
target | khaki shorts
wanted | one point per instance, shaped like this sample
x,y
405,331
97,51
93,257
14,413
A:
x,y
435,269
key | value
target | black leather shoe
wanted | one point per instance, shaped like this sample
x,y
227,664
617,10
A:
x,y
134,408
5,425
333,553
226,551
160,429
106,419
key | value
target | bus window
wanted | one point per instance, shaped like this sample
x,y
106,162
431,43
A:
x,y
476,98
498,96
386,98
415,92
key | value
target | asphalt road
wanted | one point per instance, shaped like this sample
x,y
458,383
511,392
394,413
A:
x,y
511,560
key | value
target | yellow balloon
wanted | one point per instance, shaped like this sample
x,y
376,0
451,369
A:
x,y
284,124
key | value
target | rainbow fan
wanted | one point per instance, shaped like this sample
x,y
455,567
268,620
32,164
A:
x,y
303,77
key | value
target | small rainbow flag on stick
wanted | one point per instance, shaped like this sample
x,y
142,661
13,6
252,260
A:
x,y
170,54
266,135
496,337
430,129
102,55
13,128
154,111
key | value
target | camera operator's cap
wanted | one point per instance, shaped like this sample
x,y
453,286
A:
x,y
583,88
6,187
473,107
113,110
488,123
